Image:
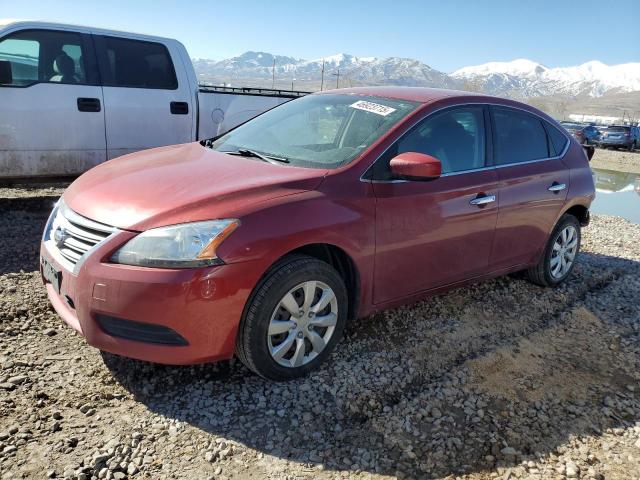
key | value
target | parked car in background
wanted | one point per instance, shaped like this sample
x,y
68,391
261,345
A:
x,y
264,242
584,134
72,97
620,136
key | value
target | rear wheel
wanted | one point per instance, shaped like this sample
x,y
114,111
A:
x,y
294,319
560,254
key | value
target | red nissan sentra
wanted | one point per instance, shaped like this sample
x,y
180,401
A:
x,y
265,241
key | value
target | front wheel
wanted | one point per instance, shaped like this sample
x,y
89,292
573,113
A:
x,y
560,254
294,319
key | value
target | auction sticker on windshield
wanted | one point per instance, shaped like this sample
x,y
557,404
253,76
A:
x,y
373,107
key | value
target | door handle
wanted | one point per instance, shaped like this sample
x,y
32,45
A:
x,y
179,108
557,187
88,104
483,200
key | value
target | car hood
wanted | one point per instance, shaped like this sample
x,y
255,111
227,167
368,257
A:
x,y
181,183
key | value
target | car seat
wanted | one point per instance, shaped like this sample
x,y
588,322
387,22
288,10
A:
x,y
65,68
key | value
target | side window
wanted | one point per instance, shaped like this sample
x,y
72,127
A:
x,y
518,137
557,141
455,137
135,63
36,56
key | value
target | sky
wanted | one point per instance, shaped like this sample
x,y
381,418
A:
x,y
445,34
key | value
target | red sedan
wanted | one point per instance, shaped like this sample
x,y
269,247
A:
x,y
265,241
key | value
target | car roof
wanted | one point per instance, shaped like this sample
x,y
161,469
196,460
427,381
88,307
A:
x,y
35,24
412,94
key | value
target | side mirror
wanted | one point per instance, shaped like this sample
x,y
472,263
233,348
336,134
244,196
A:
x,y
416,166
6,75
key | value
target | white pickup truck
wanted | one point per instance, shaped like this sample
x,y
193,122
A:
x,y
72,97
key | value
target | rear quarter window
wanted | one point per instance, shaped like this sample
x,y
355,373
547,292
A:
x,y
557,140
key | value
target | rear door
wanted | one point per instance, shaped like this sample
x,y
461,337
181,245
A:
x,y
433,233
51,105
533,184
146,94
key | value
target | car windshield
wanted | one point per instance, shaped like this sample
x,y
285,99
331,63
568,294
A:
x,y
316,131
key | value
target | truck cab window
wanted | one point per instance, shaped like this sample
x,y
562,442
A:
x,y
135,64
37,56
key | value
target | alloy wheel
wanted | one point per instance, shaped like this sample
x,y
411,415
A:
x,y
302,324
564,252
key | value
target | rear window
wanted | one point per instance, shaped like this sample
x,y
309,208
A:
x,y
618,129
519,137
135,63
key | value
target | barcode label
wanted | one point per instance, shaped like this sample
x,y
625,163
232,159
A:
x,y
373,107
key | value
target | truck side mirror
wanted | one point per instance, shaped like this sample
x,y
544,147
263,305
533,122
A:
x,y
6,75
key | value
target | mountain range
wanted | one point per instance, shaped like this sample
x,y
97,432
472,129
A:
x,y
517,79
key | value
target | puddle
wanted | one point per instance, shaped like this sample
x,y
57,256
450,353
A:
x,y
617,193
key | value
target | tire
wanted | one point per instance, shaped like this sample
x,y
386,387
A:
x,y
548,274
268,325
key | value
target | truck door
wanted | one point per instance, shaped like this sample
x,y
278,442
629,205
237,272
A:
x,y
51,105
146,94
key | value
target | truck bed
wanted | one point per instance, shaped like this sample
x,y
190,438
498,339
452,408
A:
x,y
222,108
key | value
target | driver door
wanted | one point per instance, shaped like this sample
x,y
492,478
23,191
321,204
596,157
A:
x,y
434,233
51,118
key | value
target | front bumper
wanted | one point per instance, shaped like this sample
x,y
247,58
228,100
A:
x,y
202,305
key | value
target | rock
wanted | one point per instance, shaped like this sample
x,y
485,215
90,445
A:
x,y
509,452
571,470
132,468
18,379
50,332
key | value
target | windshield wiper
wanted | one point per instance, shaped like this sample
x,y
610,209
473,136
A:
x,y
245,152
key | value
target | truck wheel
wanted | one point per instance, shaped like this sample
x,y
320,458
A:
x,y
559,255
293,319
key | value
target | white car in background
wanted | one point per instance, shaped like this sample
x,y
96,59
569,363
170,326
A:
x,y
72,97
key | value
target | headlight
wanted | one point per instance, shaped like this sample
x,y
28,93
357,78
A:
x,y
185,245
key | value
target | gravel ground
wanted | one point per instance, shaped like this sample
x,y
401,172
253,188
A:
x,y
619,160
502,379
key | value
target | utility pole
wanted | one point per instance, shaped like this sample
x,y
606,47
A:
x,y
273,74
337,75
292,80
322,76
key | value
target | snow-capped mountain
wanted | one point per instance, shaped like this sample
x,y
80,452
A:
x,y
530,79
353,70
520,78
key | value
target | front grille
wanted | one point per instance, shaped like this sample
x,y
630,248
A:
x,y
70,236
